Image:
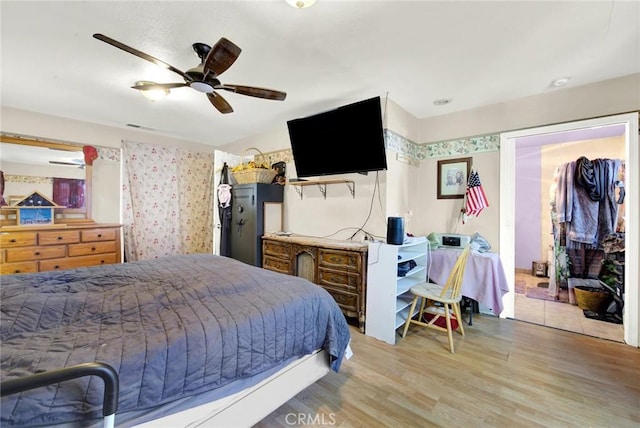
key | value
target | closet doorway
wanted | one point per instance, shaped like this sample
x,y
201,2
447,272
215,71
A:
x,y
508,236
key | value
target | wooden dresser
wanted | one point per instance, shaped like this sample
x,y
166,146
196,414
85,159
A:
x,y
337,266
38,249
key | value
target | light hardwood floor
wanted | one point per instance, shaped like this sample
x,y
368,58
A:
x,y
505,373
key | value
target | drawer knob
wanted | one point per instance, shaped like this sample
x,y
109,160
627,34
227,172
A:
x,y
56,267
13,241
37,253
93,248
16,271
101,262
59,238
99,235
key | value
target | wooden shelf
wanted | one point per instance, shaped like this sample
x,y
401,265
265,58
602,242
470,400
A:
x,y
322,185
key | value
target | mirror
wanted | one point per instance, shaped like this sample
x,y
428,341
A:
x,y
36,165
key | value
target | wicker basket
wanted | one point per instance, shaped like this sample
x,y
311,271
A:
x,y
253,175
591,298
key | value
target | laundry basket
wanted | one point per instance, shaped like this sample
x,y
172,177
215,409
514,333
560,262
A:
x,y
592,298
253,172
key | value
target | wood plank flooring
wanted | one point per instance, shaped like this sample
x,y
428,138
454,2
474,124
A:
x,y
505,373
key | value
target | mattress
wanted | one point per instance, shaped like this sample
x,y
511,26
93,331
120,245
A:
x,y
172,328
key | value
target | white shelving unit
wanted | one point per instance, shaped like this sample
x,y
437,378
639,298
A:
x,y
388,296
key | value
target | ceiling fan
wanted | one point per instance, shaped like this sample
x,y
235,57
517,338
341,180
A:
x,y
204,77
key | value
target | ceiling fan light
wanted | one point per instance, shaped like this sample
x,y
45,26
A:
x,y
201,87
153,94
300,4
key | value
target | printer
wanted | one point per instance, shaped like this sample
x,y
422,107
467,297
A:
x,y
452,240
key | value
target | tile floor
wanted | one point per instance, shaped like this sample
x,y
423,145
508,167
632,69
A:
x,y
563,316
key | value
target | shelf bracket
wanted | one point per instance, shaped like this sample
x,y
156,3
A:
x,y
352,188
299,191
323,189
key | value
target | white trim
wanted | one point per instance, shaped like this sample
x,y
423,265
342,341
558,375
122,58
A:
x,y
632,207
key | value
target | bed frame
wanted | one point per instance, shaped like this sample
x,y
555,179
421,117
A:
x,y
250,406
242,409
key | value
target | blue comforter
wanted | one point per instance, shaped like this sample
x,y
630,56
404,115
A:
x,y
172,328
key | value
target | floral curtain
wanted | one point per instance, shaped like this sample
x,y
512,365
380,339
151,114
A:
x,y
167,201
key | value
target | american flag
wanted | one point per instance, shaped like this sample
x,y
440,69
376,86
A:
x,y
476,200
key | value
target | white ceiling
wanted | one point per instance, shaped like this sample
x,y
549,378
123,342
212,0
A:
x,y
477,53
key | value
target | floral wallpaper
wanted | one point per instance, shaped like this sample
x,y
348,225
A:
x,y
166,201
27,179
486,143
411,150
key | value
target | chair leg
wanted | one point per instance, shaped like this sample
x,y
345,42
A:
x,y
423,303
448,319
458,312
413,307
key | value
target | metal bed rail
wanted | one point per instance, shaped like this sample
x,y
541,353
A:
x,y
103,370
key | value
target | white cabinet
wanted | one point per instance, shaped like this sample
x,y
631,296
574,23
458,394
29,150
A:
x,y
388,295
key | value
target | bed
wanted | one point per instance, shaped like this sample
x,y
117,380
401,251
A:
x,y
192,338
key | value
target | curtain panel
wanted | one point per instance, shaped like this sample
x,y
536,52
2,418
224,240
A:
x,y
167,201
68,192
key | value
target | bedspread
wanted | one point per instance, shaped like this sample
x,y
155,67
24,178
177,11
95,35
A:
x,y
171,327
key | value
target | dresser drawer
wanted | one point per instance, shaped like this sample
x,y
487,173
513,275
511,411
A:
x,y
92,248
18,239
277,249
276,264
339,279
58,237
76,262
347,302
34,253
340,259
22,267
98,235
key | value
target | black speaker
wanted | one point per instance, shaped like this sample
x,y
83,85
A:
x,y
395,230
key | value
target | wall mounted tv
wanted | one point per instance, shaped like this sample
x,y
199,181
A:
x,y
345,140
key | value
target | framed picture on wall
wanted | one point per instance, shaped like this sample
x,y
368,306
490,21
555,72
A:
x,y
452,178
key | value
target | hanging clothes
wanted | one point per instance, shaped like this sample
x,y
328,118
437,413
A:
x,y
584,214
224,211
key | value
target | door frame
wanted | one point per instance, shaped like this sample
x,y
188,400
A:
x,y
632,211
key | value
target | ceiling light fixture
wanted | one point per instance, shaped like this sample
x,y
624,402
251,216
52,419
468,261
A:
x,y
560,81
152,94
300,4
442,101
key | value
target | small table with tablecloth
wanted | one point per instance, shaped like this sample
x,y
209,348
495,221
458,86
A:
x,y
484,279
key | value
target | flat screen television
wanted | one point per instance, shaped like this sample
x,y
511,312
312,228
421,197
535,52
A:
x,y
348,139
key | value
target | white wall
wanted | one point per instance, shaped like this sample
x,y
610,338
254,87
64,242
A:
x,y
406,190
567,104
442,215
341,214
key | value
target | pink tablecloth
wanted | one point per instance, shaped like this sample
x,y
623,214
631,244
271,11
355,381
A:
x,y
484,278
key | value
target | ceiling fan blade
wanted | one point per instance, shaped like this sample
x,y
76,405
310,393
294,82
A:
x,y
158,86
221,56
252,91
219,103
80,165
140,54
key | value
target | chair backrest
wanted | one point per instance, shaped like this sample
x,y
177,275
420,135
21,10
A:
x,y
454,281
